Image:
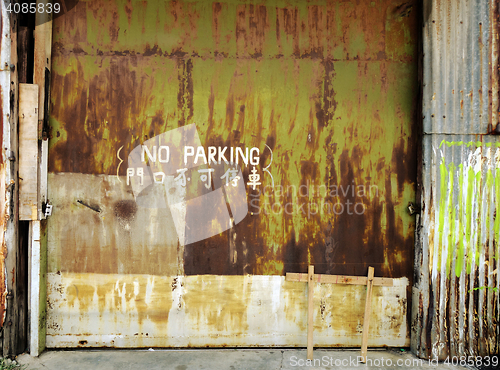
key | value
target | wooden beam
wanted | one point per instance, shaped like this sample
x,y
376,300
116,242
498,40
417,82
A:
x,y
28,152
11,289
339,279
368,311
41,77
24,47
310,312
312,278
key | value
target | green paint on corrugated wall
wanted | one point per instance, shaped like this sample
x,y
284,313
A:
x,y
464,214
461,249
468,213
442,203
468,144
496,227
451,217
489,197
477,213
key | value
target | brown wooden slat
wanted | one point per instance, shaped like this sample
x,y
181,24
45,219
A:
x,y
24,38
339,279
310,312
368,312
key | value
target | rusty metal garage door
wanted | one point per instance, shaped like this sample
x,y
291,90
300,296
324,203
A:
x,y
317,100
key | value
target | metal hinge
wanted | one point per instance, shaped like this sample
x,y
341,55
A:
x,y
47,209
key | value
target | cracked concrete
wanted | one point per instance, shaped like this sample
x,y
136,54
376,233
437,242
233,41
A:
x,y
225,359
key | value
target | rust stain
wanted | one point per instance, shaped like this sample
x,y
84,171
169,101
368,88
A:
x,y
225,311
82,294
141,294
287,30
125,209
185,95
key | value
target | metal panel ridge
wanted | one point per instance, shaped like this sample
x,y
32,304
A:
x,y
456,67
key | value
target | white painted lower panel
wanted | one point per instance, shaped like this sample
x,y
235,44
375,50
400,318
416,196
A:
x,y
106,310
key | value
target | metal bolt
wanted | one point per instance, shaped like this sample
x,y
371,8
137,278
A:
x,y
412,208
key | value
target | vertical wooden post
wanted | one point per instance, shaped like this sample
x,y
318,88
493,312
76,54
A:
x,y
11,288
368,311
28,152
310,316
41,77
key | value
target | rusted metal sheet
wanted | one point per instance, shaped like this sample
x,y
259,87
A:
x,y
327,86
326,91
455,293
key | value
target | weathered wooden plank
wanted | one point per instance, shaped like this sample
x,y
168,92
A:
x,y
28,152
368,312
310,312
25,45
339,279
9,258
35,298
41,77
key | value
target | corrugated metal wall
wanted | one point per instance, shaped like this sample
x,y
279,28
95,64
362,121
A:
x,y
455,305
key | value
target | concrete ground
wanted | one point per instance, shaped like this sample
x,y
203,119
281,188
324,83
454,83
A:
x,y
225,359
